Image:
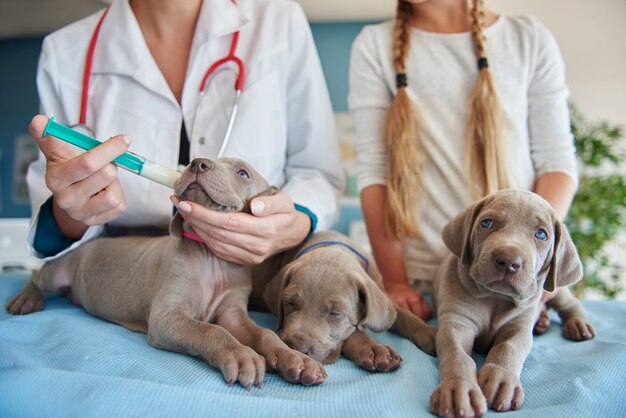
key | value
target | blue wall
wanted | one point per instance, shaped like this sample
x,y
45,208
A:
x,y
334,41
19,102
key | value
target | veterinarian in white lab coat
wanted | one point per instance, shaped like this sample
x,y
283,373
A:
x,y
147,65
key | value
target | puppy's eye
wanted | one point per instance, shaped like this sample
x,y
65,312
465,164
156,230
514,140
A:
x,y
487,223
541,234
290,302
335,310
243,173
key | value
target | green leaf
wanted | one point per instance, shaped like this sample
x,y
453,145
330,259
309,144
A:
x,y
598,212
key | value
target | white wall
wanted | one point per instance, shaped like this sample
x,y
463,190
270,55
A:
x,y
591,34
592,37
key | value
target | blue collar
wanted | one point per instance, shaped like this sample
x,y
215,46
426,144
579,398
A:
x,y
321,243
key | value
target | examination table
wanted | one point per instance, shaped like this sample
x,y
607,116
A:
x,y
64,362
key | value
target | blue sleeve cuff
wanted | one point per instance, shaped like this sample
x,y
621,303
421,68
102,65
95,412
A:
x,y
311,215
49,239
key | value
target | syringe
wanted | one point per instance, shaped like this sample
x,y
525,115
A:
x,y
128,161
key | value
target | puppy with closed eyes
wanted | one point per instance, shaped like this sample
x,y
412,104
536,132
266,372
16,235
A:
x,y
326,294
175,289
504,251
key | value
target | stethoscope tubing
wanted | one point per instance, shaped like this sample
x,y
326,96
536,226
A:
x,y
231,123
87,72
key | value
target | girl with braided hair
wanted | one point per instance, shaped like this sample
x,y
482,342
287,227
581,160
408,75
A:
x,y
440,123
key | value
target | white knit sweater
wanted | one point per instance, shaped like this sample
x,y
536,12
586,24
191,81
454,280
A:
x,y
529,76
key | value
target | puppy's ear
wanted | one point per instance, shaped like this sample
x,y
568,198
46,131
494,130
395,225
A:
x,y
379,312
270,191
372,268
176,225
565,265
457,233
373,271
272,295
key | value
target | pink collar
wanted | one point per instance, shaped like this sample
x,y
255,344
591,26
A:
x,y
193,236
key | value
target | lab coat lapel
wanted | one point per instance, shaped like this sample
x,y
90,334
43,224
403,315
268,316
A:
x,y
122,49
218,18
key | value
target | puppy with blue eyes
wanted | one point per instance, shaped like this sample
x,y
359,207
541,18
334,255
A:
x,y
174,289
505,250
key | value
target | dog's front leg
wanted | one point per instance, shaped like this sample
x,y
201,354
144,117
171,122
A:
x,y
576,327
369,354
292,365
458,393
499,378
172,329
415,329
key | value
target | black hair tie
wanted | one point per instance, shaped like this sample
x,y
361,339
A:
x,y
482,63
401,80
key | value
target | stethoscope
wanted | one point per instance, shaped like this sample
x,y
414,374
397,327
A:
x,y
211,71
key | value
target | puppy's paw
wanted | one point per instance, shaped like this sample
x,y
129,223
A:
x,y
578,329
543,322
502,389
29,300
458,398
296,367
242,364
376,357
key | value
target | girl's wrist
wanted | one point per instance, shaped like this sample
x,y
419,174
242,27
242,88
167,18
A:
x,y
395,282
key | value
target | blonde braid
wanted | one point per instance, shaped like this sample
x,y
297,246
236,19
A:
x,y
488,172
402,143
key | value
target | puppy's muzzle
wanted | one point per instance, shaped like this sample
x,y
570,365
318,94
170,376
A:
x,y
508,260
299,342
200,165
310,345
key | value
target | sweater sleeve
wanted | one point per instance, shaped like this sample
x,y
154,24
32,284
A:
x,y
551,141
369,98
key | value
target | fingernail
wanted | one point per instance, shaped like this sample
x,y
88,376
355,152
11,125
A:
x,y
184,206
126,139
257,207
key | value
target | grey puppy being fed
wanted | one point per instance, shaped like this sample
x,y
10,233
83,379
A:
x,y
175,289
326,293
505,250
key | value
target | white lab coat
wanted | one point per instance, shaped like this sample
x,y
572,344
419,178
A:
x,y
285,126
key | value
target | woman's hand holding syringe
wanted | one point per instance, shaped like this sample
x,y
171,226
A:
x,y
85,187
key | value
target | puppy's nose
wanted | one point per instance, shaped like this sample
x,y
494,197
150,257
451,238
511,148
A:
x,y
200,165
298,342
508,260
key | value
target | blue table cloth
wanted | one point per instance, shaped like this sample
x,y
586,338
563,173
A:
x,y
63,362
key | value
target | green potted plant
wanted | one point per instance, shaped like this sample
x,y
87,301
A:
x,y
598,212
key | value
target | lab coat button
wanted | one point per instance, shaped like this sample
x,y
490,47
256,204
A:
x,y
201,140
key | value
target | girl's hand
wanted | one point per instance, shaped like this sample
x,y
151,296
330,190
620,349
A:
x,y
408,298
241,238
85,187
